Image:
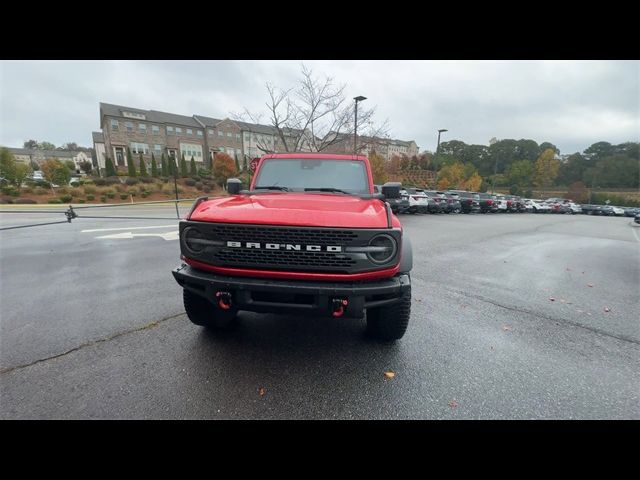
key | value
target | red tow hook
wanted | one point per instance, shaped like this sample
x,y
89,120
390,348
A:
x,y
224,300
339,305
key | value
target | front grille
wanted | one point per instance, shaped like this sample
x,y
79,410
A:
x,y
267,258
257,233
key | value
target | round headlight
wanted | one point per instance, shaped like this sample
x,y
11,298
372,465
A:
x,y
385,248
193,240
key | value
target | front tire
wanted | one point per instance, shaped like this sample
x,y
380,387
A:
x,y
205,314
390,322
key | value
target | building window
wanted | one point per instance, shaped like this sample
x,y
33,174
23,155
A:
x,y
178,130
169,130
238,138
222,149
142,127
189,131
199,132
211,132
229,134
190,150
247,137
220,133
114,125
157,148
155,129
198,153
129,126
138,148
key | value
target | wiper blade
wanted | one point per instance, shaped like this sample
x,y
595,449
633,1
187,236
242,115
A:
x,y
325,189
273,187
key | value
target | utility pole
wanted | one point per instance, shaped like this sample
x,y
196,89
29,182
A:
x,y
359,98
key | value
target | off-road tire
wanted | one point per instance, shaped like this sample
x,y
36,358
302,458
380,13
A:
x,y
390,322
205,314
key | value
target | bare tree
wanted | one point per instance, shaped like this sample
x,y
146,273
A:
x,y
314,116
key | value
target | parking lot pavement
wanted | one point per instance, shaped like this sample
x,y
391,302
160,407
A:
x,y
508,321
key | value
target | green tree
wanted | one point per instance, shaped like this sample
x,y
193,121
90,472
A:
x,y
130,165
237,164
223,168
614,171
154,166
546,169
21,172
163,166
183,167
377,163
193,171
46,146
573,169
520,173
86,166
109,169
546,145
30,144
7,165
70,165
56,172
599,150
143,167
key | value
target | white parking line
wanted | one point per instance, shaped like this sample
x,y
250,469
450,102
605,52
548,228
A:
x,y
633,229
124,228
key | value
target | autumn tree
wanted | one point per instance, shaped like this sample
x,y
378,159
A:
x,y
393,166
223,168
377,163
578,192
546,169
56,172
459,175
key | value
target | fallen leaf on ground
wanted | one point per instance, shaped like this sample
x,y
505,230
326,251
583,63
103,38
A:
x,y
552,299
453,403
389,374
507,328
261,392
589,285
607,309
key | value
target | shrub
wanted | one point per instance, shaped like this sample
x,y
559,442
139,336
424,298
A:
x,y
75,192
39,191
54,200
206,189
112,180
124,196
103,199
189,182
100,181
146,179
90,197
111,194
144,194
63,190
10,190
65,198
131,181
132,191
88,189
24,200
26,190
5,199
82,200
199,185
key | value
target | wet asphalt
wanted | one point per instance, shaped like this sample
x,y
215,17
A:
x,y
514,316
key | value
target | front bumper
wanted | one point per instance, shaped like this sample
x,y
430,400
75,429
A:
x,y
302,297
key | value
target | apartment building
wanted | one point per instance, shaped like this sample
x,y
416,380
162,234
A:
x,y
386,147
31,156
149,132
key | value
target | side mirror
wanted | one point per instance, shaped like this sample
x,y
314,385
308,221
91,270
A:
x,y
391,189
233,186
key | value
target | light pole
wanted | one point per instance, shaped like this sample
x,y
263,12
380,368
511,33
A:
x,y
355,124
438,146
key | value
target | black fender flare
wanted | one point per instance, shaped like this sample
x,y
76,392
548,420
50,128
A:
x,y
406,255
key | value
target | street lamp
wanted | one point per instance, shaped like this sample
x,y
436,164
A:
x,y
355,123
438,146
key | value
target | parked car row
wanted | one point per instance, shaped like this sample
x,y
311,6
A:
x,y
418,200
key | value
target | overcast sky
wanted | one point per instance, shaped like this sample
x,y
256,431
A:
x,y
569,103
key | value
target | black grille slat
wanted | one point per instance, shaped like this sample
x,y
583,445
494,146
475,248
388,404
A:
x,y
283,235
280,257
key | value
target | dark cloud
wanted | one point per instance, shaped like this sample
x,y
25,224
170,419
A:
x,y
569,103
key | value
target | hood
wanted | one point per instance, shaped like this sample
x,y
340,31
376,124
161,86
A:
x,y
301,209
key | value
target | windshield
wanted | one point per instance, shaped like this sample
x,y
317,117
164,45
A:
x,y
297,174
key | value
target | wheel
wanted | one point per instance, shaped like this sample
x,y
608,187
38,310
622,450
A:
x,y
205,314
390,322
